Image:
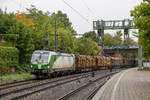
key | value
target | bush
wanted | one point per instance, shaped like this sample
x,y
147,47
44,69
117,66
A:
x,y
23,68
8,58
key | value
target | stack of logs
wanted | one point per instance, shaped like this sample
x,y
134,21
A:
x,y
83,61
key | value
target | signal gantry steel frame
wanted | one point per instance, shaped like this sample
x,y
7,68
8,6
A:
x,y
102,25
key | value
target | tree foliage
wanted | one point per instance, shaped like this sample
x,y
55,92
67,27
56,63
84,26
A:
x,y
28,32
92,35
13,30
115,40
86,46
8,58
108,40
141,19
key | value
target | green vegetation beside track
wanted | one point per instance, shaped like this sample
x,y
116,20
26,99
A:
x,y
8,59
15,77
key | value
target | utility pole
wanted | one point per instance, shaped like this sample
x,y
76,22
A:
x,y
140,57
56,33
47,37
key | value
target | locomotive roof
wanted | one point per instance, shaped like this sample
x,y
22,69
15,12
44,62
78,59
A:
x,y
52,52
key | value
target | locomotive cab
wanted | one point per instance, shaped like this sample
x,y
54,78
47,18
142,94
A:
x,y
40,62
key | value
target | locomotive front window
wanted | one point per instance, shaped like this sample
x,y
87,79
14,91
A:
x,y
44,56
36,57
40,57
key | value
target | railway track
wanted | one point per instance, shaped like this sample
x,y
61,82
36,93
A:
x,y
92,94
40,86
70,94
16,84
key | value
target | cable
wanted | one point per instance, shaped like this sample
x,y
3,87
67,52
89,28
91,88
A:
x,y
88,8
76,12
28,3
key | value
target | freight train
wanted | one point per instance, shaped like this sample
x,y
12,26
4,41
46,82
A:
x,y
48,63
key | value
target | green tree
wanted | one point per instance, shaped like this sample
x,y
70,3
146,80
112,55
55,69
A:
x,y
66,40
65,32
7,22
108,40
92,35
13,30
117,39
86,46
141,19
44,29
62,21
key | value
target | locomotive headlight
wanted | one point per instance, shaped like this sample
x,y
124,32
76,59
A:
x,y
47,66
31,66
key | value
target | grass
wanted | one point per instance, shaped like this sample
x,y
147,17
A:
x,y
15,77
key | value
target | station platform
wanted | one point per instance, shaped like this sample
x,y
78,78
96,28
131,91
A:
x,y
129,84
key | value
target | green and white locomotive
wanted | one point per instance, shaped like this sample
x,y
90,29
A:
x,y
45,63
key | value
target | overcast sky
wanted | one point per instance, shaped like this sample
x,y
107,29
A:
x,y
90,9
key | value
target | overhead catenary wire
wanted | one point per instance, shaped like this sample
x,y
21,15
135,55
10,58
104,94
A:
x,y
89,9
77,12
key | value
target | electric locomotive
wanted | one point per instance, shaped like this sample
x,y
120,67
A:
x,y
48,62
